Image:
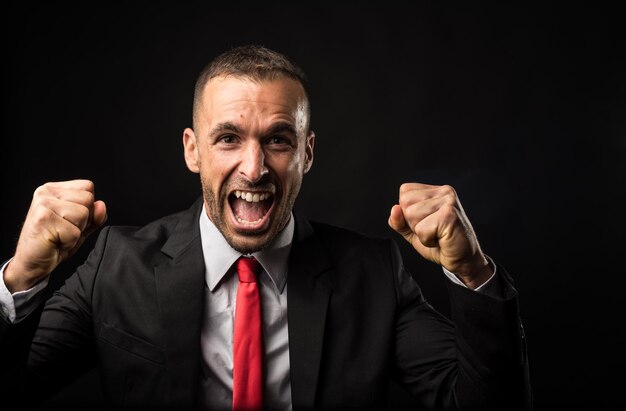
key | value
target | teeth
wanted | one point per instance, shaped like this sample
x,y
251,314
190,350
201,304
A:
x,y
241,220
251,197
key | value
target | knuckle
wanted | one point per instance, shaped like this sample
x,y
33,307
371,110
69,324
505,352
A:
x,y
450,199
83,213
405,187
43,201
89,185
42,214
447,190
42,211
89,198
449,212
412,210
418,229
41,190
422,234
73,233
404,201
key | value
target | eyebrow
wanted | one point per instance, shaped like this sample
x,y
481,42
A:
x,y
281,128
225,126
231,127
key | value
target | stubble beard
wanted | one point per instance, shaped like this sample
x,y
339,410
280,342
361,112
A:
x,y
216,209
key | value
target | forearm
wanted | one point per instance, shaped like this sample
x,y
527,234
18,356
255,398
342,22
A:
x,y
491,348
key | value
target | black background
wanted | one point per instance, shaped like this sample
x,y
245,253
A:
x,y
520,108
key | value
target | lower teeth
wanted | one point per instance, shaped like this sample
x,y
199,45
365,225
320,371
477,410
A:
x,y
241,220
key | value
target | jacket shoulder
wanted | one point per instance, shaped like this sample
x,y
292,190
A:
x,y
147,241
155,231
344,241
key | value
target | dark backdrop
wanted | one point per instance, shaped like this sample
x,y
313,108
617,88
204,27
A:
x,y
520,108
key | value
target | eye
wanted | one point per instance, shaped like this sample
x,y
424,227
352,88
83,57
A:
x,y
278,139
227,139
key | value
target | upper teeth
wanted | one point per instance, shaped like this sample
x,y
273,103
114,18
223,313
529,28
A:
x,y
251,197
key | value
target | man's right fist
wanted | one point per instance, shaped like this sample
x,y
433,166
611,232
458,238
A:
x,y
61,216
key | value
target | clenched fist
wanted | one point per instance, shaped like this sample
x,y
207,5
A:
x,y
432,220
61,216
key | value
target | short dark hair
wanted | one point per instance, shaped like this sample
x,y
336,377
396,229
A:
x,y
252,61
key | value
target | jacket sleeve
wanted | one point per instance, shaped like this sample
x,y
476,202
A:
x,y
53,346
474,360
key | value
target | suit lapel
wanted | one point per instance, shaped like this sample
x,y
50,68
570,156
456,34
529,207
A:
x,y
309,289
180,283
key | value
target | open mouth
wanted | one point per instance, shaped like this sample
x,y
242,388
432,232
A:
x,y
251,209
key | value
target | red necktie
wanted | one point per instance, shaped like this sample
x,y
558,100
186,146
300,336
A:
x,y
248,340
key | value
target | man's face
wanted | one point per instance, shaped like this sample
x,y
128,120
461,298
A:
x,y
251,148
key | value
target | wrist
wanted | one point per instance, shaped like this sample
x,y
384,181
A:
x,y
475,273
17,278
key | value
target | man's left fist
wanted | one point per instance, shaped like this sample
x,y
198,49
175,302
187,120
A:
x,y
432,219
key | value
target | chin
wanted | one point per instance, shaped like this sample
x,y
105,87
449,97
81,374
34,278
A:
x,y
247,245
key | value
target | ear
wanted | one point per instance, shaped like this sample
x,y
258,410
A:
x,y
192,157
308,151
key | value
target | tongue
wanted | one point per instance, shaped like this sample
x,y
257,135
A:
x,y
249,211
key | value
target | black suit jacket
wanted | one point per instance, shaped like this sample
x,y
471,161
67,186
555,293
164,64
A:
x,y
355,318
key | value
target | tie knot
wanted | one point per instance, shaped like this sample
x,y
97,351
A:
x,y
247,268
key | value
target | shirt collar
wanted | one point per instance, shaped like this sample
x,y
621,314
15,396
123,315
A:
x,y
219,256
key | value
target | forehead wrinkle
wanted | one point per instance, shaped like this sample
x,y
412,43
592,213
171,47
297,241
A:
x,y
251,99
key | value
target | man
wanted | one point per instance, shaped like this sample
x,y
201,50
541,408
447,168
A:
x,y
157,308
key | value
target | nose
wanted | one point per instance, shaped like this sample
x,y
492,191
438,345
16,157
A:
x,y
252,165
